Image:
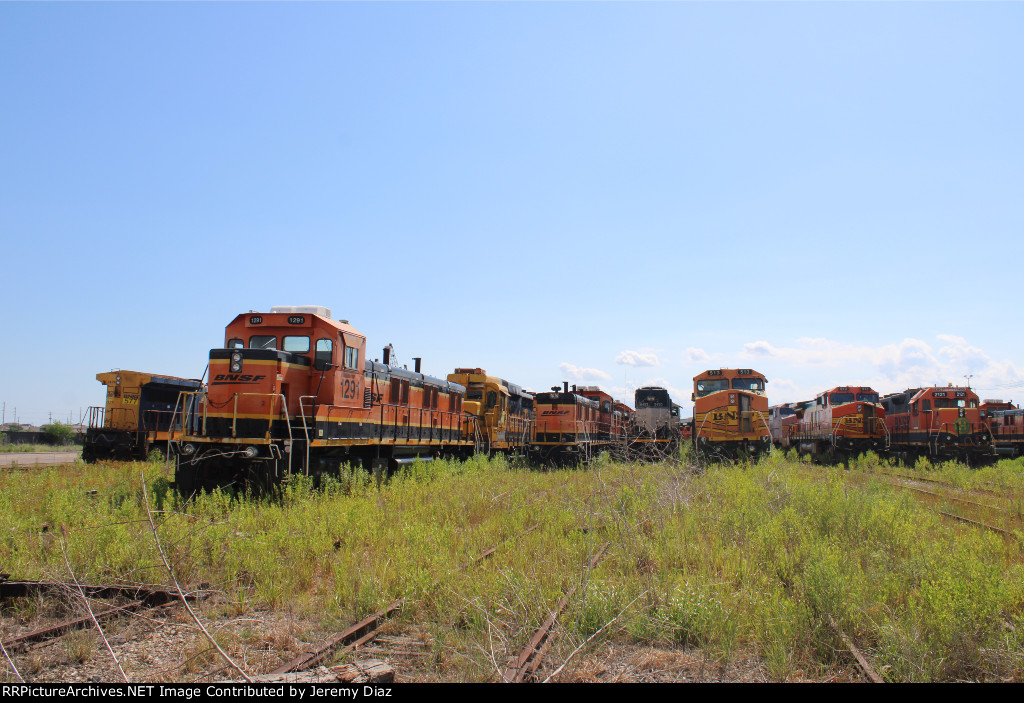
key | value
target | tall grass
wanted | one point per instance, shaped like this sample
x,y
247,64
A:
x,y
740,558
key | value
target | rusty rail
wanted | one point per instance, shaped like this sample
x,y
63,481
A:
x,y
961,518
977,523
524,666
147,595
859,658
22,641
142,597
360,633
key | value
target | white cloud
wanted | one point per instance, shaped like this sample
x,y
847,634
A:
x,y
695,354
576,373
890,367
637,358
753,350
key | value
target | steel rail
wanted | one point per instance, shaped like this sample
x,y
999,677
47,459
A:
x,y
859,658
365,630
524,666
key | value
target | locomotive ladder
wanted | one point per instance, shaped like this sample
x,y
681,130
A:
x,y
305,423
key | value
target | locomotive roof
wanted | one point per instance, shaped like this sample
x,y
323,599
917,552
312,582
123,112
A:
x,y
561,397
850,389
415,378
141,378
730,373
911,395
277,318
507,386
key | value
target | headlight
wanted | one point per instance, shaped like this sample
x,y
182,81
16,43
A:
x,y
250,452
188,449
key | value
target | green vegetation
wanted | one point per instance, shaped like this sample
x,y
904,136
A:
x,y
59,433
730,559
29,448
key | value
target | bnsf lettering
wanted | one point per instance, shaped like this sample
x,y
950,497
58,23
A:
x,y
237,378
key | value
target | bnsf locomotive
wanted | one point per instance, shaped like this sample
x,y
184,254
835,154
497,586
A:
x,y
570,427
1007,423
292,391
940,423
839,423
730,413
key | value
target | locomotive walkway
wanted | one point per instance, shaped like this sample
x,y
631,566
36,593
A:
x,y
8,459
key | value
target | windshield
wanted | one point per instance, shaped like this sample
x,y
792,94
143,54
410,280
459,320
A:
x,y
867,397
259,341
747,384
840,398
711,385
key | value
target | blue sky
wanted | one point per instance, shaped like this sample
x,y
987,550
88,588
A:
x,y
607,193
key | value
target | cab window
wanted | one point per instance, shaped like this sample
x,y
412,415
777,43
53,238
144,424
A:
x,y
235,343
747,384
706,386
261,341
296,344
324,353
351,358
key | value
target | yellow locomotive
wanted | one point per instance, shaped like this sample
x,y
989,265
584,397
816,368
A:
x,y
503,411
137,416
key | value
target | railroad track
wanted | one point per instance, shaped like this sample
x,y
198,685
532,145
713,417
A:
x,y
902,481
362,632
524,667
153,599
978,492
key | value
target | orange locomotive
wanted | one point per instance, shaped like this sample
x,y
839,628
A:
x,y
942,423
567,426
730,413
292,391
613,417
1007,423
841,422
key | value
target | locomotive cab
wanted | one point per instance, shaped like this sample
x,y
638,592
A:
x,y
730,413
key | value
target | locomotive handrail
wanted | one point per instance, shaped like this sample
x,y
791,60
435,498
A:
x,y
580,424
696,435
305,425
96,416
270,421
767,427
885,428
